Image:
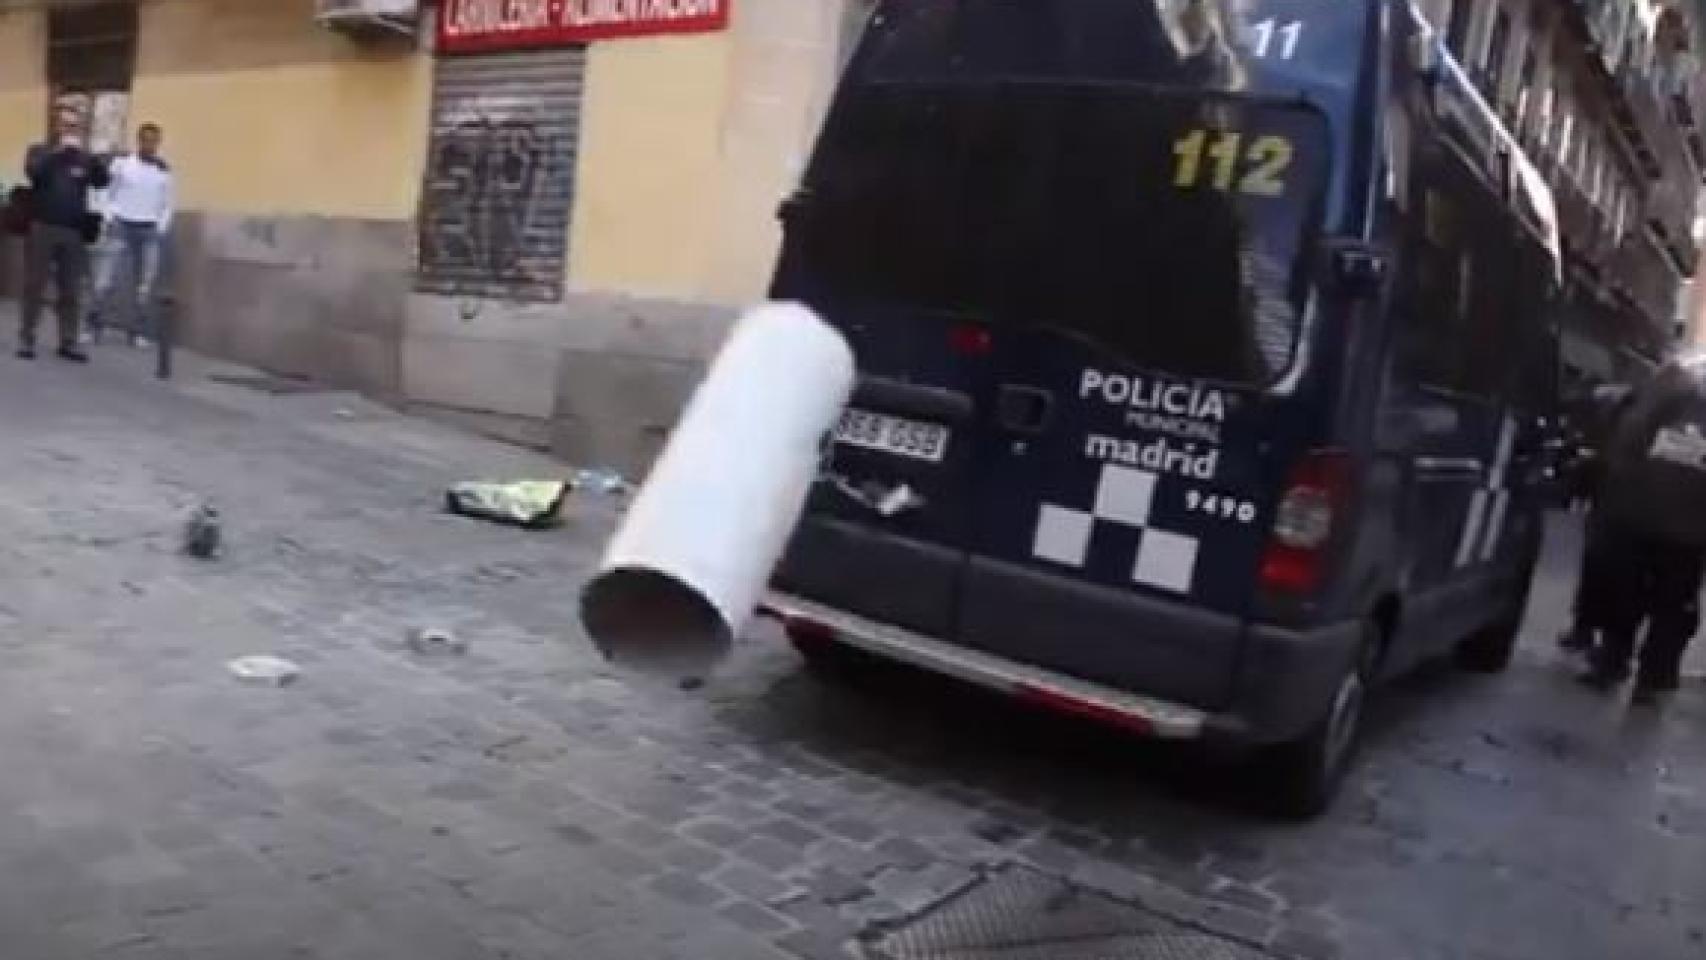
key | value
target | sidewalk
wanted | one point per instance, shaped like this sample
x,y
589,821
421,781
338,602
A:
x,y
515,803
384,805
518,803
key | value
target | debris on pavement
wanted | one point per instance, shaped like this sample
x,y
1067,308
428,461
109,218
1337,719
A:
x,y
433,641
264,670
602,481
203,533
529,504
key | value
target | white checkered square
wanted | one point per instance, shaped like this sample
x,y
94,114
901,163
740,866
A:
x,y
1167,561
1063,535
1125,495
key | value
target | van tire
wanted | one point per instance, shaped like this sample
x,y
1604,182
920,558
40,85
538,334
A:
x,y
830,660
1490,650
1303,776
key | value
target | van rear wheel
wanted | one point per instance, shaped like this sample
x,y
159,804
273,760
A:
x,y
1306,774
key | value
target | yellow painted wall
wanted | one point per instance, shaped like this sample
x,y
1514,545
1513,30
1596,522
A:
x,y
689,144
333,139
650,165
787,55
267,113
23,88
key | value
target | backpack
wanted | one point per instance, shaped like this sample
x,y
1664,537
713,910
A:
x,y
1656,466
15,215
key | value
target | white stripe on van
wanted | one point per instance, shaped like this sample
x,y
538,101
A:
x,y
1483,529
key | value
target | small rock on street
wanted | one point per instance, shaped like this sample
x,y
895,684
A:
x,y
517,801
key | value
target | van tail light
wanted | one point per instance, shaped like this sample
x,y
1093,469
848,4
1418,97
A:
x,y
970,340
1303,524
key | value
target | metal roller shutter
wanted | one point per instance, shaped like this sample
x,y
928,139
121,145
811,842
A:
x,y
494,218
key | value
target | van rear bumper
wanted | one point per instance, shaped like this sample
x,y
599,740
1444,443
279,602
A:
x,y
1286,684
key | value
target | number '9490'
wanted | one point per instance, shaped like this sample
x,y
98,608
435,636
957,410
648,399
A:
x,y
1223,508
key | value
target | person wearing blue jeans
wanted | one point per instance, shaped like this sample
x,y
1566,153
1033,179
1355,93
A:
x,y
139,210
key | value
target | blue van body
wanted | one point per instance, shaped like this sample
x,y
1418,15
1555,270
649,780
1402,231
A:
x,y
1201,366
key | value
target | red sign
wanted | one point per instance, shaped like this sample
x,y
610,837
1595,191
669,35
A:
x,y
468,25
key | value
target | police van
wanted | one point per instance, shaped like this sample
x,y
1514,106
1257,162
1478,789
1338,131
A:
x,y
1202,349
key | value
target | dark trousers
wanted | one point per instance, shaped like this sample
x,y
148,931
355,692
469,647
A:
x,y
1595,584
1654,582
59,251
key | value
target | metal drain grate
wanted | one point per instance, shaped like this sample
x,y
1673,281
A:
x,y
1021,915
267,383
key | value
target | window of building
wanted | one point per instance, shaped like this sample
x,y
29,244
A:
x,y
92,46
1497,46
1545,118
1584,158
1525,80
1610,24
91,56
1457,26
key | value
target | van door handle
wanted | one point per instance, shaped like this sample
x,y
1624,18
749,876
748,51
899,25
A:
x,y
1024,409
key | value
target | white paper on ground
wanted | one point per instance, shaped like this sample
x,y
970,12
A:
x,y
264,669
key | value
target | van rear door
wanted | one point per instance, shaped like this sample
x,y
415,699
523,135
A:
x,y
1139,427
1067,239
876,242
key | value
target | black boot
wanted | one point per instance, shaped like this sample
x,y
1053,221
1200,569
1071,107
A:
x,y
1577,639
1604,672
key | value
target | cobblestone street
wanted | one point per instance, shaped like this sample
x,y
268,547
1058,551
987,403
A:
x,y
520,802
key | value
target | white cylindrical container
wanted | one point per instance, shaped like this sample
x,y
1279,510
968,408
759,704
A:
x,y
691,560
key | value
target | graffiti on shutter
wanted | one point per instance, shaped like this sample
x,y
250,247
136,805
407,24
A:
x,y
500,176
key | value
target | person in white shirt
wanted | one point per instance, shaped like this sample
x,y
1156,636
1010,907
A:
x,y
139,215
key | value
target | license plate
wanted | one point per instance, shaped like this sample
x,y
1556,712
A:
x,y
896,435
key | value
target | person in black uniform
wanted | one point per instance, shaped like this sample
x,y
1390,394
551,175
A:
x,y
1653,531
1592,583
61,175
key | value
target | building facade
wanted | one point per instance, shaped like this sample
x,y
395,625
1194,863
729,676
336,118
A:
x,y
1606,97
538,218
540,232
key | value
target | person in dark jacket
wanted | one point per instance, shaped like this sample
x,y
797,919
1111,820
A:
x,y
61,173
1597,577
1653,530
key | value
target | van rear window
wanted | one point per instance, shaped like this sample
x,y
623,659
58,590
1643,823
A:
x,y
1270,46
1169,233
